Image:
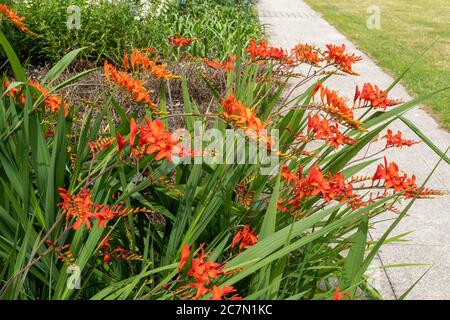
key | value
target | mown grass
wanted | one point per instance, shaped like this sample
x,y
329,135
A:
x,y
407,28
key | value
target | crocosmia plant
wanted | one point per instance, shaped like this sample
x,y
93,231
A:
x,y
265,193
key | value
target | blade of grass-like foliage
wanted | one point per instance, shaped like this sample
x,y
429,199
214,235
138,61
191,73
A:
x,y
425,139
355,256
60,66
19,72
103,294
57,168
73,79
183,216
263,278
405,294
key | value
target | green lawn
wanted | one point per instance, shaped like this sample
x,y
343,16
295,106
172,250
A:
x,y
407,28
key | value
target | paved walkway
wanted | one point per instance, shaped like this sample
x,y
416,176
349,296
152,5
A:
x,y
292,21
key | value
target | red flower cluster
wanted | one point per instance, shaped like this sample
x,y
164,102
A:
x,y
338,295
140,60
227,65
203,271
323,130
371,95
14,18
83,209
245,237
125,81
244,118
392,180
336,105
107,251
315,183
99,145
263,51
52,102
397,140
179,42
154,138
305,53
338,56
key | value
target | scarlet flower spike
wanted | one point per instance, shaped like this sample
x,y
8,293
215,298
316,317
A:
x,y
397,140
323,130
185,253
126,62
227,65
125,81
178,41
140,60
304,53
371,95
338,295
10,15
336,106
244,118
99,145
263,51
338,56
245,237
120,143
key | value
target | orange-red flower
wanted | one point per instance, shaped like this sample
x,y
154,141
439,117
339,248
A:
x,y
83,209
100,144
154,138
263,51
401,183
13,92
78,206
245,237
305,53
338,56
52,102
397,140
203,271
179,42
125,81
140,60
336,106
10,15
185,253
392,179
200,289
338,295
227,65
221,293
133,132
125,61
330,133
371,95
120,143
244,118
315,183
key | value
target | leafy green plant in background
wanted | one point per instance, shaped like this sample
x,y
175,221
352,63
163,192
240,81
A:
x,y
298,233
109,29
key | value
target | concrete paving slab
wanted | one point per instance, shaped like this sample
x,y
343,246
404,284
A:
x,y
292,21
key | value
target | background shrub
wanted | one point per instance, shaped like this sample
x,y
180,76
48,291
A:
x,y
107,29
